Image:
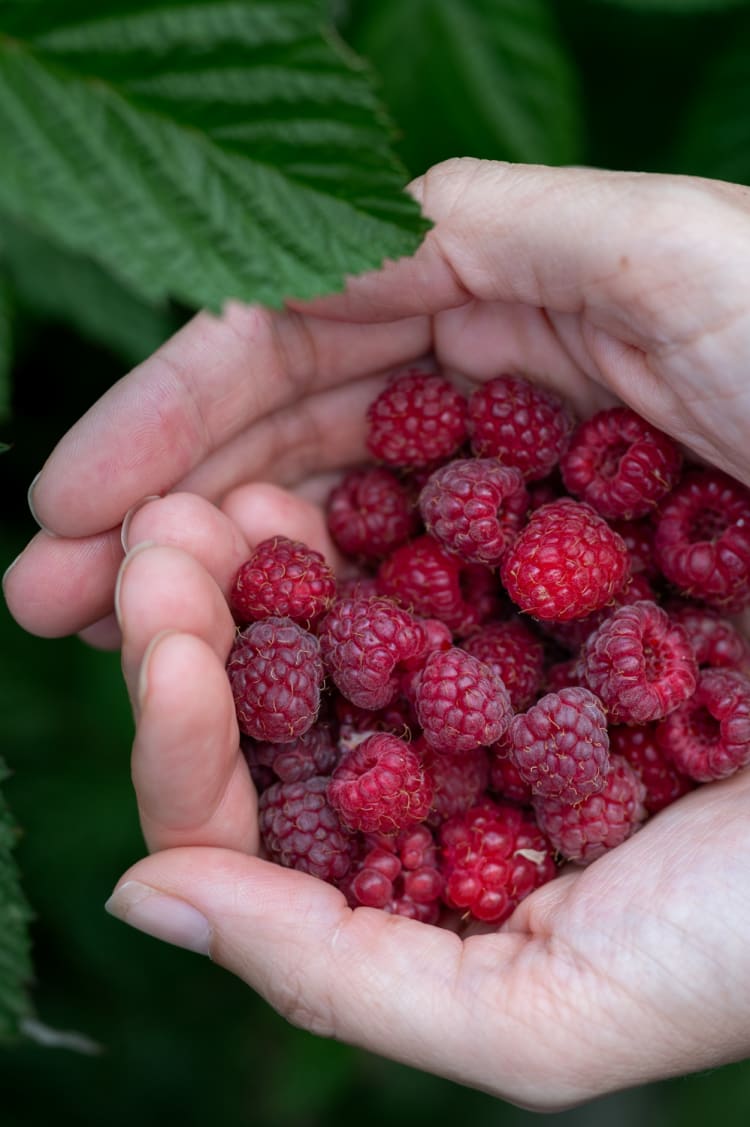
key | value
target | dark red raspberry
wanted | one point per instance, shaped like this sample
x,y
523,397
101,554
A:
x,y
702,540
716,642
639,541
566,563
546,490
301,831
640,663
399,874
276,674
491,858
474,507
520,423
573,634
583,832
362,642
314,753
708,737
370,513
619,464
514,654
416,419
354,722
505,777
459,778
560,745
663,782
263,777
563,675
460,703
427,580
380,786
283,578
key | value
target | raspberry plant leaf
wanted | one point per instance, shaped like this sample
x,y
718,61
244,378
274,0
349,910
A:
x,y
491,78
15,963
203,150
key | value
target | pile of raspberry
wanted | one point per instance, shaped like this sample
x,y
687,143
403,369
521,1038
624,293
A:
x,y
532,654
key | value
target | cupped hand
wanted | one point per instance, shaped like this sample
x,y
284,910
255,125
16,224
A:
x,y
599,284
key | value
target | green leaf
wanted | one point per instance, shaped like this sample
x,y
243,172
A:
x,y
58,284
489,78
15,962
6,340
204,150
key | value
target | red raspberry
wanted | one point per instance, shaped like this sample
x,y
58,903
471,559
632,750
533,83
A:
x,y
427,580
566,563
563,675
619,464
639,541
460,703
416,419
276,675
514,654
546,490
663,782
283,578
437,638
504,774
459,778
263,777
708,737
354,722
362,642
715,640
474,508
398,874
584,832
370,513
301,831
356,587
492,857
560,745
640,663
521,424
380,786
572,635
313,753
702,541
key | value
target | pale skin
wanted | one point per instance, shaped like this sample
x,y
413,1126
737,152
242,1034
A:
x,y
607,286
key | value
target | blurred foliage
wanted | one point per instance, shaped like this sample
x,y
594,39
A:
x,y
648,84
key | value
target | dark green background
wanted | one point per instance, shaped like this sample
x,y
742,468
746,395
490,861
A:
x,y
180,1040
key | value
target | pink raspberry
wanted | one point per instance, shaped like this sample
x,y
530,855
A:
x,y
459,778
380,786
313,753
505,777
283,578
474,507
514,654
619,464
566,563
363,642
640,663
370,513
702,540
276,675
708,737
427,580
301,831
583,832
460,703
492,857
399,874
416,419
716,642
663,782
560,745
520,423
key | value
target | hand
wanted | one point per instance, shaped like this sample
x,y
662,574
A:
x,y
600,284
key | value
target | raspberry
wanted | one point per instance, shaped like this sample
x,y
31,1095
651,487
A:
x,y
521,424
560,745
491,858
504,774
370,513
362,642
301,831
416,419
474,507
514,654
639,541
545,490
437,638
262,775
313,753
459,778
283,578
573,634
640,663
708,737
619,464
563,675
663,782
715,641
427,580
398,874
380,786
702,540
354,722
357,587
460,703
276,675
566,563
602,821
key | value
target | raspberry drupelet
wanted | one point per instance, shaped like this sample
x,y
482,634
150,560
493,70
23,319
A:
x,y
398,873
380,786
663,782
300,830
313,753
430,582
419,418
708,737
716,642
518,422
514,654
460,703
284,578
370,513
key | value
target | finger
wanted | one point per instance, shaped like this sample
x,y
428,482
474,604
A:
x,y
198,391
103,635
262,511
191,780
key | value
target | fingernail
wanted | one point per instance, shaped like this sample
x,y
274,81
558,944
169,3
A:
x,y
123,568
145,662
30,502
130,514
165,917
